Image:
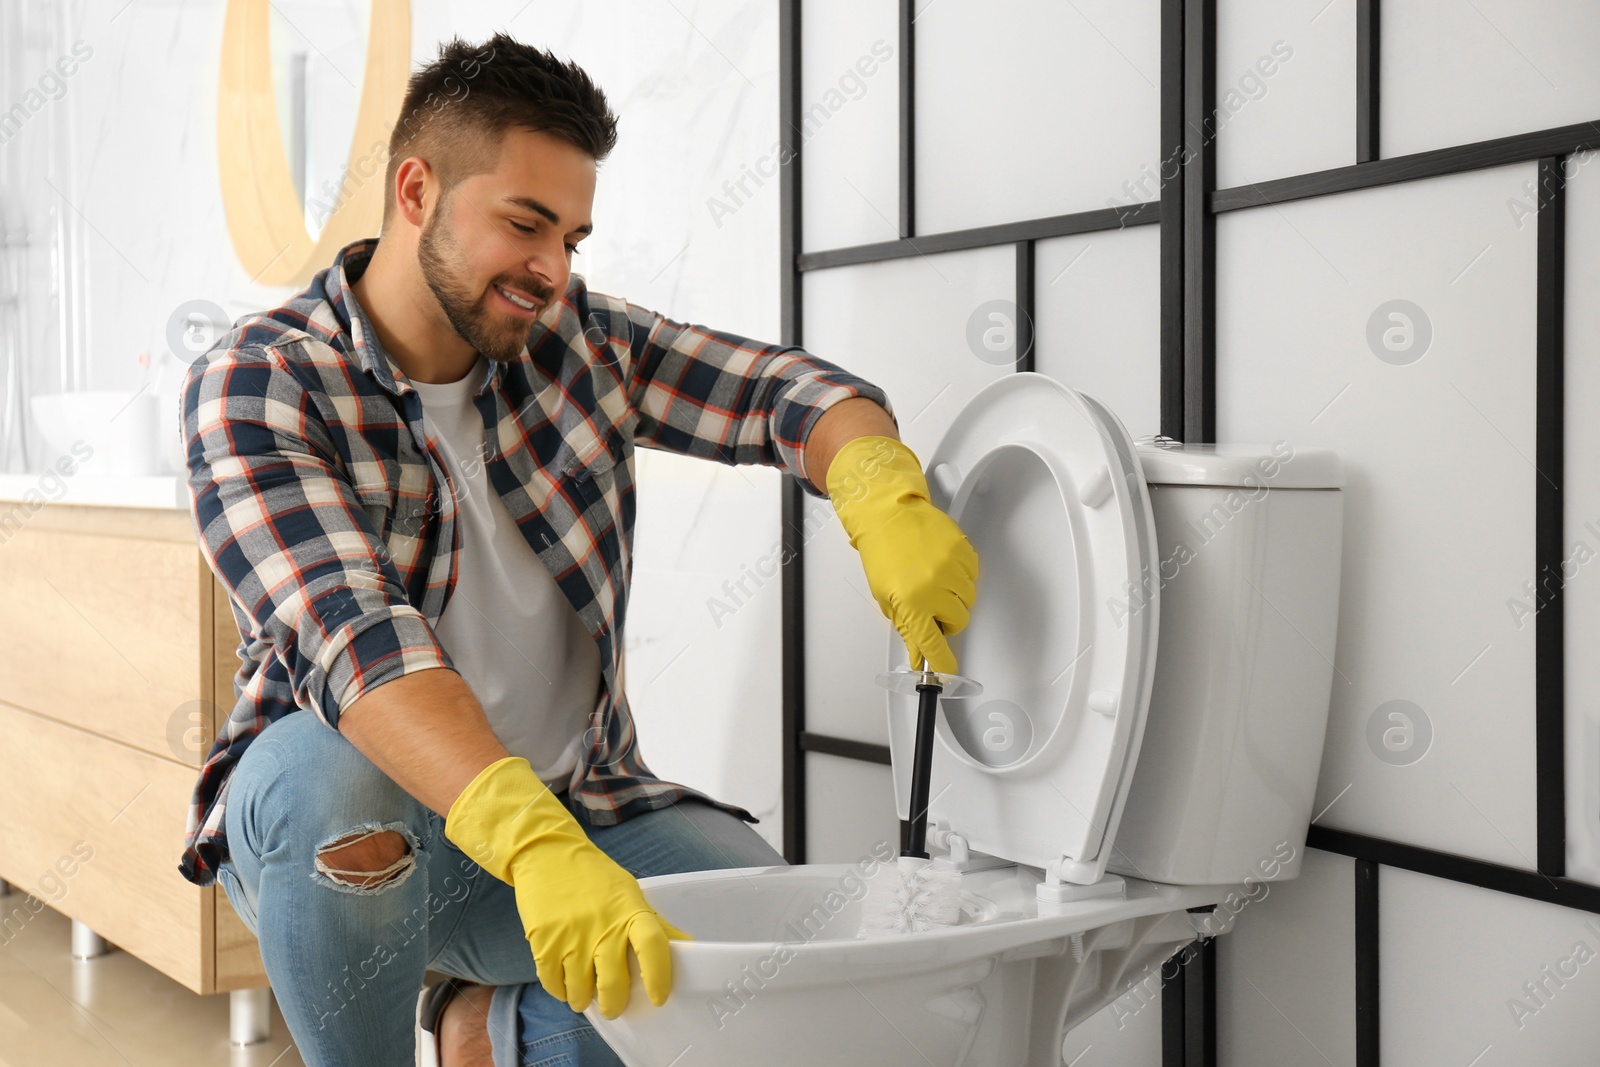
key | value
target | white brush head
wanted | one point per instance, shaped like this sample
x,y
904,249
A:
x,y
912,897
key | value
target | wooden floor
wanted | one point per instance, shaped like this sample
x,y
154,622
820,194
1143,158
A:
x,y
111,1011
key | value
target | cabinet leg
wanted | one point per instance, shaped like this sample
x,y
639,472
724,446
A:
x,y
249,1016
5,888
86,944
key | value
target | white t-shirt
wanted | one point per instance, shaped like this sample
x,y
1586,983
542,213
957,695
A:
x,y
511,632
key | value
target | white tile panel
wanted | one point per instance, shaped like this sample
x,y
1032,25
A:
x,y
1029,108
1456,73
1580,575
903,325
1286,88
1439,489
850,122
847,637
850,812
1097,311
1286,972
1471,976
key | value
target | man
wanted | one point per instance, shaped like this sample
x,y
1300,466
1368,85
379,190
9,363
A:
x,y
416,481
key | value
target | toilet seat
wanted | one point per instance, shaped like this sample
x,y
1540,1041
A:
x,y
1045,482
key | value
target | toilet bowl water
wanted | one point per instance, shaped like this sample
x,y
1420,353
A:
x,y
1031,779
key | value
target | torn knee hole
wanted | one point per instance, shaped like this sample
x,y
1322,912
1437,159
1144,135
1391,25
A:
x,y
365,858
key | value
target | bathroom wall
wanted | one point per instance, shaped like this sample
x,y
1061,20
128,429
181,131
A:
x,y
1442,901
695,86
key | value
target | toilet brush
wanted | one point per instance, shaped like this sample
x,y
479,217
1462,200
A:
x,y
918,894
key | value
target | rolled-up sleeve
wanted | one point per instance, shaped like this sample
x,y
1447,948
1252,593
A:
x,y
707,393
282,528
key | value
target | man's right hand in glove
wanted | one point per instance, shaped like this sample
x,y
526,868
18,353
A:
x,y
580,909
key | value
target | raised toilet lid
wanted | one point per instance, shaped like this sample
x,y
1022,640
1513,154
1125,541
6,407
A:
x,y
1045,482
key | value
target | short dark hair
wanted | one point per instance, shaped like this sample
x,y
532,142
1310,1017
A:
x,y
457,108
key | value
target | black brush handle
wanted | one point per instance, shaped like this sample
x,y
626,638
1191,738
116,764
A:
x,y
922,770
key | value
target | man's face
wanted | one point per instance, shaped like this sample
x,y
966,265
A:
x,y
500,241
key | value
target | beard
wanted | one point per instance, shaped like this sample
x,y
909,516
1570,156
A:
x,y
498,337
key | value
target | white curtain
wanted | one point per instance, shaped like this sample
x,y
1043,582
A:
x,y
44,336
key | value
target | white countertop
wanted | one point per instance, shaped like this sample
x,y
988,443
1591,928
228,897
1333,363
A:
x,y
159,491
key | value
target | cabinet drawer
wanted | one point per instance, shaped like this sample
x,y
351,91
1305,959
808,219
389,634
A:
x,y
111,627
94,828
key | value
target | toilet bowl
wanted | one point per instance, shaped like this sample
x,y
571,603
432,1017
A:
x,y
1106,805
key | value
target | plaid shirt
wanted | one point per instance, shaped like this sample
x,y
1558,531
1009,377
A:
x,y
318,503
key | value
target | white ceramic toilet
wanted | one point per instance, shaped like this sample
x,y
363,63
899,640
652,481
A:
x,y
1100,800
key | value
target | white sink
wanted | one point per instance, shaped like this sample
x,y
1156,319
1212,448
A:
x,y
112,433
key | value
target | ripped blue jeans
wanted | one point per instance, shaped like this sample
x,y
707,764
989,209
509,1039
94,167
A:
x,y
346,959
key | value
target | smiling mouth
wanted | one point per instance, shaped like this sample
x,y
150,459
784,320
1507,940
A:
x,y
523,302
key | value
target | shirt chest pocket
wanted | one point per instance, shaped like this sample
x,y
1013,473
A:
x,y
377,500
595,460
397,502
590,473
591,458
591,445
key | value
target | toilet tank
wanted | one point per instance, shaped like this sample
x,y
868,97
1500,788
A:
x,y
1249,543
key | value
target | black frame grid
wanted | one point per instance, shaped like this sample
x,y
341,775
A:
x,y
1189,202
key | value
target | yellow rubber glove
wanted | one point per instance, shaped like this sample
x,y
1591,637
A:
x,y
921,568
580,909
